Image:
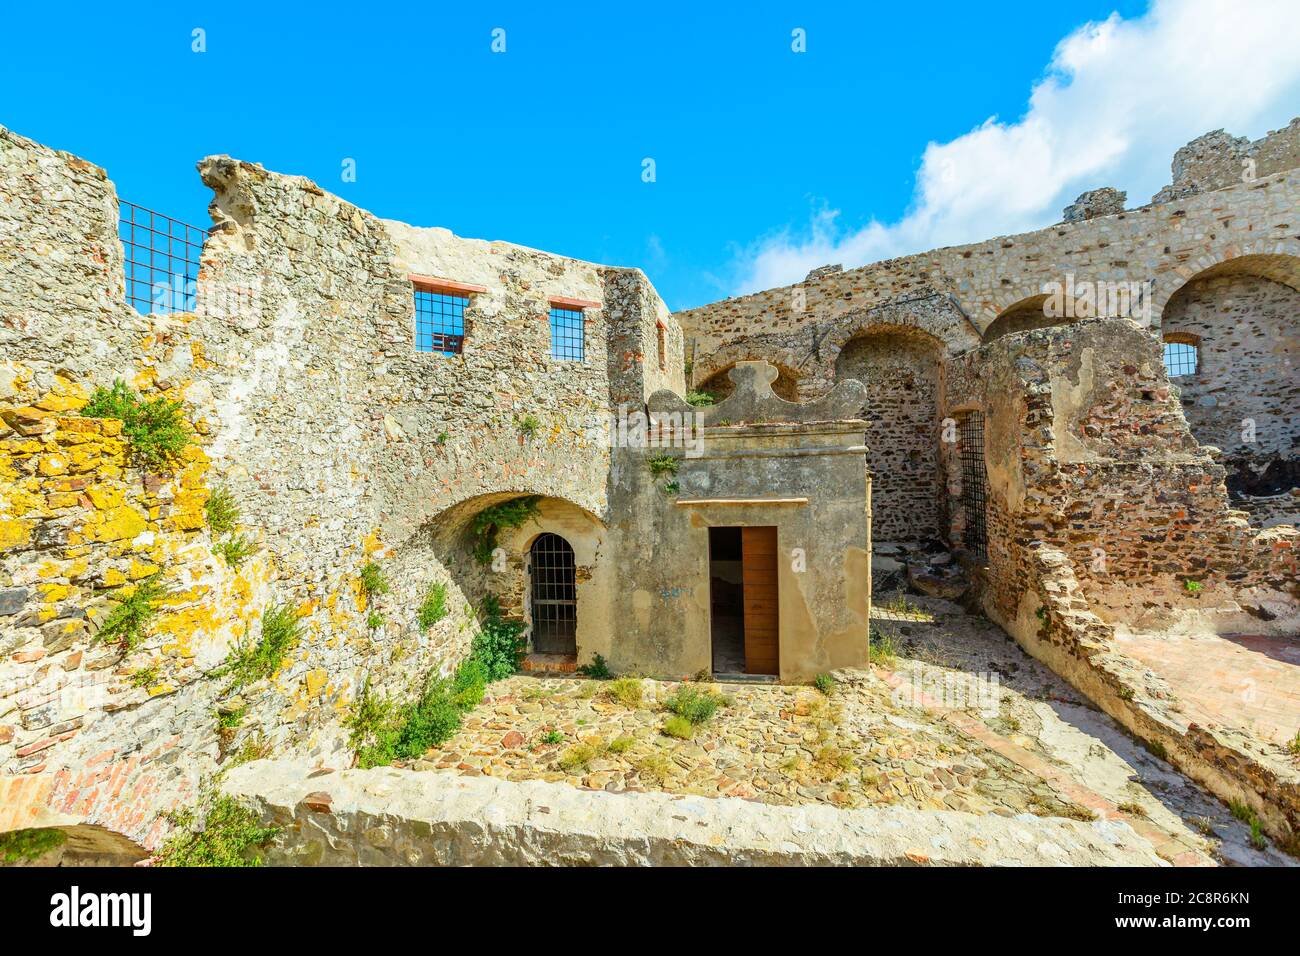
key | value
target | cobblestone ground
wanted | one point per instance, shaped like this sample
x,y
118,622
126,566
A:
x,y
959,719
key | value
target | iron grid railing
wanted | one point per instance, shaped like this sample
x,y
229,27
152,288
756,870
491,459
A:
x,y
439,322
554,595
162,259
567,334
973,483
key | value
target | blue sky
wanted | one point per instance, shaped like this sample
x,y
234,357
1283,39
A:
x,y
765,159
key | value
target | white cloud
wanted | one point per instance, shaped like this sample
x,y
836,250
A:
x,y
1118,98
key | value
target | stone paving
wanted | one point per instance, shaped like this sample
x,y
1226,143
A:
x,y
1249,682
960,719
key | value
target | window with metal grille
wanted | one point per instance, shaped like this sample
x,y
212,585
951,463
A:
x,y
439,322
973,483
161,259
555,595
567,334
1181,357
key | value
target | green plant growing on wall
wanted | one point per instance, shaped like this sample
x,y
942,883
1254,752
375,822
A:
x,y
824,683
672,487
222,511
434,606
144,676
373,581
384,731
374,620
487,525
499,644
699,399
1293,745
528,425
219,832
663,465
29,844
232,719
251,661
443,437
154,429
126,624
235,549
1193,587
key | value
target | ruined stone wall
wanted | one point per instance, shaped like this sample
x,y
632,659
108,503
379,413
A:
x,y
963,295
1088,453
1217,160
1166,243
306,399
900,370
1245,394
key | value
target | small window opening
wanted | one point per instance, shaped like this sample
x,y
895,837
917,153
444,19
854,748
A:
x,y
439,322
567,334
1182,357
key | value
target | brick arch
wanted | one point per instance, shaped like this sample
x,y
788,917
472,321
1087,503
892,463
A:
x,y
1021,315
899,367
1277,261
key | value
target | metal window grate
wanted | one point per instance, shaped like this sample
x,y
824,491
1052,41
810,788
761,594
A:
x,y
973,483
439,322
1181,358
555,596
162,259
567,333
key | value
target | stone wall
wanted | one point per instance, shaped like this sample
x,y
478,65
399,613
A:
x,y
390,817
1088,452
962,296
1245,394
1217,160
1101,509
306,399
900,369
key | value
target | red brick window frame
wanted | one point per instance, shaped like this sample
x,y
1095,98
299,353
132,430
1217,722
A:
x,y
440,306
1181,354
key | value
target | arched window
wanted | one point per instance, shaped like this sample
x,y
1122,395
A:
x,y
1182,355
554,587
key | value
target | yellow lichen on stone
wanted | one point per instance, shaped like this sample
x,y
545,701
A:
x,y
142,569
120,524
316,681
113,578
14,533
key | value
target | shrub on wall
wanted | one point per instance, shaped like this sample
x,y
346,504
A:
x,y
252,661
154,429
384,731
434,606
126,624
488,524
222,832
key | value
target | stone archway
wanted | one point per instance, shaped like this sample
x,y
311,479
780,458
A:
x,y
899,366
1240,394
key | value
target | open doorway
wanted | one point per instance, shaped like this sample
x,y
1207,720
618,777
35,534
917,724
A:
x,y
743,600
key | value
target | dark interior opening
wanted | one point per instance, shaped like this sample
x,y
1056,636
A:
x,y
727,600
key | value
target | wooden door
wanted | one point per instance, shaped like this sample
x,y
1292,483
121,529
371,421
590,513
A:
x,y
758,571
